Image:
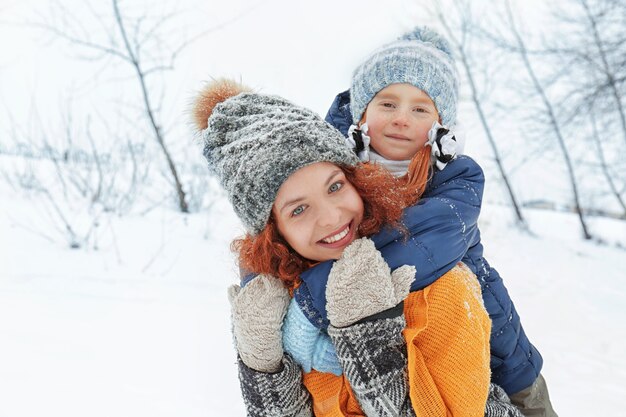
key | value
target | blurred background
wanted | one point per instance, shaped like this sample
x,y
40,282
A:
x,y
114,239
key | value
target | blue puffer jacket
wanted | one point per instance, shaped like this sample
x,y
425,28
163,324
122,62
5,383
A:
x,y
444,230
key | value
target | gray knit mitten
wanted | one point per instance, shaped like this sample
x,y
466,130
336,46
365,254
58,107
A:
x,y
258,311
361,284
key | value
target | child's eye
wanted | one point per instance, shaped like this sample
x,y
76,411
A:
x,y
298,211
387,105
420,110
335,187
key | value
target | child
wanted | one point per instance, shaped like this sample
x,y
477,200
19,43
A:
x,y
304,198
397,97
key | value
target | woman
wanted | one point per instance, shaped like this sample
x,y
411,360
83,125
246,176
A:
x,y
304,198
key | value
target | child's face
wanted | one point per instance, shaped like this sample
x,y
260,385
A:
x,y
318,211
399,118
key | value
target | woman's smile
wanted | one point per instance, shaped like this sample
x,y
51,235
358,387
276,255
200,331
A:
x,y
339,239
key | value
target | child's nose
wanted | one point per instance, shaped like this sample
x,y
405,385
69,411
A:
x,y
401,118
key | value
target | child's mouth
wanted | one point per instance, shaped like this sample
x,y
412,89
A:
x,y
339,238
399,137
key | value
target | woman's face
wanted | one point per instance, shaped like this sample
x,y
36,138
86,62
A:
x,y
318,211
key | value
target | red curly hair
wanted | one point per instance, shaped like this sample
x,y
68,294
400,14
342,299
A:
x,y
384,198
417,176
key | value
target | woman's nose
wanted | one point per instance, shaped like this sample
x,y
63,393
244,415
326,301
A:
x,y
329,215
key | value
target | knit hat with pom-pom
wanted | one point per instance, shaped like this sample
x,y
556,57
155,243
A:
x,y
421,58
254,142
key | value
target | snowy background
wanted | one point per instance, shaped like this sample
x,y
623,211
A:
x,y
136,321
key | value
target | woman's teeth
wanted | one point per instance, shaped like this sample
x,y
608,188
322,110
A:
x,y
338,236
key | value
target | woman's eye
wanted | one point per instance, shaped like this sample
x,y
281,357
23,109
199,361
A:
x,y
335,187
297,211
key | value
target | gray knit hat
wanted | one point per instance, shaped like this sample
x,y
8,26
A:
x,y
254,142
421,58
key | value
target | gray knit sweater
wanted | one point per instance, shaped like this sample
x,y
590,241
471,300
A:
x,y
374,359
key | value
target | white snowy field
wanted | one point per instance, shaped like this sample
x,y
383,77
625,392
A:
x,y
140,327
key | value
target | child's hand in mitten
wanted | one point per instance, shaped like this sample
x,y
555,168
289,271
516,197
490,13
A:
x,y
258,310
361,284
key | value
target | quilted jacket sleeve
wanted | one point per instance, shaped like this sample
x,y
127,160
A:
x,y
279,394
339,114
442,225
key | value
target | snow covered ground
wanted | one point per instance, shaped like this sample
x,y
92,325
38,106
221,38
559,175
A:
x,y
140,327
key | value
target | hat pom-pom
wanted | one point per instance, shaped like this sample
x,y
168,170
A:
x,y
211,95
426,34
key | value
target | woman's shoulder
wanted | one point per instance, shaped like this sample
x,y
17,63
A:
x,y
457,288
459,283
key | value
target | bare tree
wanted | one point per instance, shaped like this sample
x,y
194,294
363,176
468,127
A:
x,y
132,56
592,80
147,45
459,44
605,167
611,78
136,43
551,114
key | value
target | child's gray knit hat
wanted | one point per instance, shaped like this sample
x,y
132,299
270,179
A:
x,y
421,58
254,142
